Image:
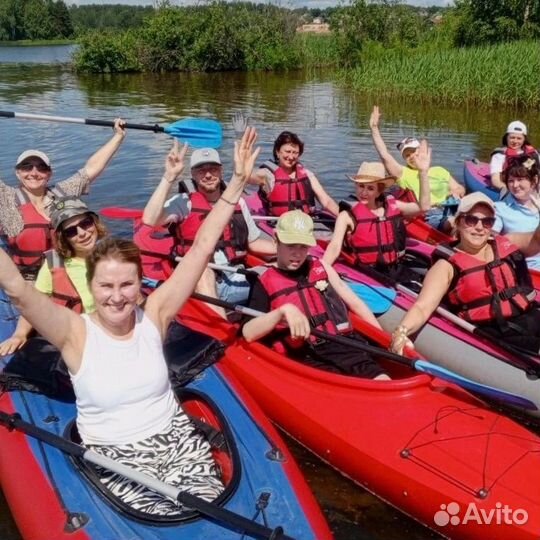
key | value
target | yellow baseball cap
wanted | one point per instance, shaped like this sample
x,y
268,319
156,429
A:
x,y
295,227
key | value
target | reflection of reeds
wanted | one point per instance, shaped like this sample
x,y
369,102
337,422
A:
x,y
506,74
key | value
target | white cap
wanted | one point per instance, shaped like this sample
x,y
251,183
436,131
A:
x,y
517,127
408,142
468,202
33,153
202,156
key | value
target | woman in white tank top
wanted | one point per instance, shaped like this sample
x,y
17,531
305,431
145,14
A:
x,y
115,358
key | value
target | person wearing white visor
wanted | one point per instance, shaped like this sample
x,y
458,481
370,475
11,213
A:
x,y
445,191
24,209
515,143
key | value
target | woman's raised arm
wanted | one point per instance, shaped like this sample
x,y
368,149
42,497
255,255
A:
x,y
165,302
53,322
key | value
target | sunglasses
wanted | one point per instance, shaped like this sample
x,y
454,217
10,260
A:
x,y
27,167
73,230
472,221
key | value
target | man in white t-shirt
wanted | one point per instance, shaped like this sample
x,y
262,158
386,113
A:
x,y
188,210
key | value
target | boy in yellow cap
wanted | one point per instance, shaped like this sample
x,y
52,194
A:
x,y
301,292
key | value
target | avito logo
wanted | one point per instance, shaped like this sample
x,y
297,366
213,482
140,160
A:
x,y
500,515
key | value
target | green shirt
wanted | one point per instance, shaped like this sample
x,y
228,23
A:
x,y
76,270
439,183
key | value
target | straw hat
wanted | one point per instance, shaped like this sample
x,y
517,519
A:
x,y
370,172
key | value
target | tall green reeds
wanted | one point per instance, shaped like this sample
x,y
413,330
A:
x,y
507,74
316,50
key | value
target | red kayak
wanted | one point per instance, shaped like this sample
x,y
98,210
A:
x,y
421,444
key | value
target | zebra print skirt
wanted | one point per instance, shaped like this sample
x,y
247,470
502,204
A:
x,y
181,456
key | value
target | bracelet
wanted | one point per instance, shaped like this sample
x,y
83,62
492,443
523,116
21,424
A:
x,y
401,331
228,202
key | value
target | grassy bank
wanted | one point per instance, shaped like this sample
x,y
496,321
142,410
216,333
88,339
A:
x,y
36,42
506,74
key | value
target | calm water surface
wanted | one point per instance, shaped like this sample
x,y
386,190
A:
x,y
331,120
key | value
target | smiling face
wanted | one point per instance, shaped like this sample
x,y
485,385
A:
x,y
33,174
288,155
291,256
208,177
81,234
367,193
475,236
409,155
115,287
515,140
520,187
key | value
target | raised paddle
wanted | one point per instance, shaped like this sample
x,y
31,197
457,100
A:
x,y
221,516
197,132
419,364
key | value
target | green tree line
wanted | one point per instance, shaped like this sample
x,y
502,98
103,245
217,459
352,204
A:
x,y
34,19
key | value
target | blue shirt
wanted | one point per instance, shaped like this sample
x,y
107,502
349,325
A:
x,y
514,217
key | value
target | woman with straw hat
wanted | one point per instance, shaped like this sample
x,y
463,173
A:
x,y
372,230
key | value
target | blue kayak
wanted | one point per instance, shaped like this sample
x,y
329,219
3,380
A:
x,y
52,495
476,177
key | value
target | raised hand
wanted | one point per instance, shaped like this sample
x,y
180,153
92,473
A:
x,y
422,158
245,154
240,123
174,162
374,117
119,128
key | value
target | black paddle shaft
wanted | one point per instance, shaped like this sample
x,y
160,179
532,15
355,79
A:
x,y
213,512
109,123
344,340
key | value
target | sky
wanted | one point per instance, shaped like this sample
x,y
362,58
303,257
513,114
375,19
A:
x,y
285,3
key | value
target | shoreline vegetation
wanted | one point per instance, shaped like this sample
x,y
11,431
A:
x,y
38,42
471,54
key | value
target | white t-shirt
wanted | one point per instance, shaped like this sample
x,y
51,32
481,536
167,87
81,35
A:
x,y
496,164
122,387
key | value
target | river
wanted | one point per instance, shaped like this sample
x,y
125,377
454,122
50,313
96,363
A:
x,y
331,120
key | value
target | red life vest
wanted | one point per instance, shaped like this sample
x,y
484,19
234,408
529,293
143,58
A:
x,y
288,193
155,245
233,241
324,308
377,240
511,153
489,292
64,292
28,247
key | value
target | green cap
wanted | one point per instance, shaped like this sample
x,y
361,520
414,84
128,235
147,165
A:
x,y
295,227
65,208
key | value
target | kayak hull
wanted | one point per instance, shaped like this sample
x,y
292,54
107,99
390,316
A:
x,y
417,442
477,177
50,499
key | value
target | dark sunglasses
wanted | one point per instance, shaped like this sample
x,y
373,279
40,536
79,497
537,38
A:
x,y
27,167
84,224
471,221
